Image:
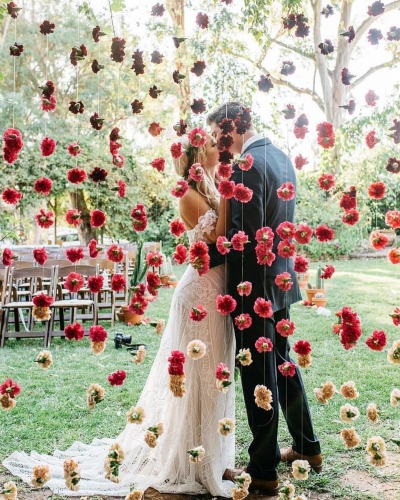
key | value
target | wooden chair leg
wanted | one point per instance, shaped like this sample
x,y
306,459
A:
x,y
50,328
5,324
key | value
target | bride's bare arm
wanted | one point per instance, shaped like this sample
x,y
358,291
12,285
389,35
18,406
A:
x,y
224,218
191,207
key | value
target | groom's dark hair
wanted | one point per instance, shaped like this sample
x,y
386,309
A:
x,y
228,110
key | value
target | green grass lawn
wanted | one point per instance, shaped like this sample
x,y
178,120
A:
x,y
52,412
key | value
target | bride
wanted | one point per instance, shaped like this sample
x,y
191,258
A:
x,y
189,421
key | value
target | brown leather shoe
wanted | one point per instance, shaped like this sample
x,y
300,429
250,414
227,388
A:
x,y
230,474
267,488
289,455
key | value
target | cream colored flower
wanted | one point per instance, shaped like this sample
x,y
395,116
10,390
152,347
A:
x,y
239,493
379,459
320,396
41,474
197,454
7,402
304,360
97,347
394,397
196,349
135,495
325,393
135,415
177,385
95,394
351,438
300,497
140,355
244,357
72,474
41,313
244,480
226,426
9,491
113,460
372,412
300,469
150,439
348,413
393,355
348,390
263,397
375,444
159,329
223,385
286,491
44,359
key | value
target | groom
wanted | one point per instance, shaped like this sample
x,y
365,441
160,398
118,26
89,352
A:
x,y
270,170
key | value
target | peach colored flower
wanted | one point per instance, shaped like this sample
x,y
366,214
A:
x,y
244,357
44,359
300,469
348,390
263,397
350,437
41,474
348,413
135,415
372,412
395,397
393,355
196,349
226,426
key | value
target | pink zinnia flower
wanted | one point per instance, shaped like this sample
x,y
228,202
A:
x,y
222,372
377,341
242,193
303,234
286,249
284,281
285,327
198,313
196,172
158,164
225,304
246,163
244,288
223,245
264,344
286,192
239,240
266,236
286,230
288,369
197,137
243,321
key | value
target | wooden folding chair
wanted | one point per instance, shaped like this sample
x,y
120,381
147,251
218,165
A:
x,y
74,303
18,303
4,270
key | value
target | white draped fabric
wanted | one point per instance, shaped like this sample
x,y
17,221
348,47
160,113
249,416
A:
x,y
188,422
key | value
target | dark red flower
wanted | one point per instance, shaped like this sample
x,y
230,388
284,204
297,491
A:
x,y
289,22
327,11
287,369
177,41
392,218
302,347
73,217
198,68
48,89
302,29
264,83
95,283
326,135
299,162
371,98
74,254
77,54
153,282
288,68
46,28
96,122
13,9
285,230
16,49
300,132
351,217
284,281
93,249
198,106
115,253
74,282
74,331
180,254
97,333
44,219
286,192
396,316
42,300
393,165
396,135
97,218
118,160
225,156
48,146
377,341
175,363
156,57
177,228
96,67
374,36
301,264
40,255
10,387
180,128
226,189
350,33
263,308
154,92
98,174
48,103
137,107
242,193
11,196
327,272
138,212
346,76
377,190
9,155
43,186
351,328
324,233
121,189
202,20
303,234
138,65
155,129
289,112
180,189
76,107
76,175
97,33
118,377
227,126
376,9
157,10
118,282
350,107
225,304
393,35
114,147
74,149
7,257
13,139
117,49
378,240
178,77
394,255
348,200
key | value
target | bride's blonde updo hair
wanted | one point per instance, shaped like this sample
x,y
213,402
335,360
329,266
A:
x,y
206,187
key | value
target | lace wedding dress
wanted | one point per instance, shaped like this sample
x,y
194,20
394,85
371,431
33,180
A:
x,y
188,422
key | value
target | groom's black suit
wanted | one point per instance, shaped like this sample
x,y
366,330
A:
x,y
270,170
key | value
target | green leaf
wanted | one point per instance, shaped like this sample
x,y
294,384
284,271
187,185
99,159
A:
x,y
117,5
1,76
236,374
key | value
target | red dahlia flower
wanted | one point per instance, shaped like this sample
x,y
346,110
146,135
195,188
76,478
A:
x,y
350,33
97,33
286,230
392,218
13,139
48,103
393,35
302,347
180,189
118,282
349,199
284,281
225,304
117,378
74,331
44,219
394,255
324,233
326,47
73,217
137,107
371,140
326,181
198,313
76,107
74,254
48,146
74,282
158,164
154,92
153,282
40,255
177,227
288,68
303,234
95,283
121,189
286,192
244,288
197,137
42,300
285,327
299,162
371,98
156,57
117,49
377,190
94,249
97,218
263,308
286,249
378,240
351,217
97,333
301,264
7,257
243,321
74,149
10,387
226,189
76,175
264,344
351,328
202,20
265,83
154,259
43,186
377,341
9,156
180,128
180,254
118,160
288,369
11,196
115,253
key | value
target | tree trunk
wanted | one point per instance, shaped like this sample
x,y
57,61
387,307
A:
x,y
85,231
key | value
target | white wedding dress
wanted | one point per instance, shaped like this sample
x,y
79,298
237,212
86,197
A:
x,y
188,422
